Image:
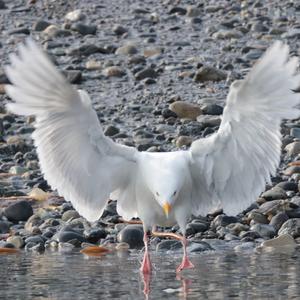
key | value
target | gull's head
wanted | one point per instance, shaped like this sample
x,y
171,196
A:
x,y
165,178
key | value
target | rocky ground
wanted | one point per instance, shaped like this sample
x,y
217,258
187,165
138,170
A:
x,y
158,73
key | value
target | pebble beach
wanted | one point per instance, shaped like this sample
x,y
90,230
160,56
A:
x,y
158,73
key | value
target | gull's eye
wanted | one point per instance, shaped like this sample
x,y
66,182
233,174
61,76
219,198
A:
x,y
174,193
157,194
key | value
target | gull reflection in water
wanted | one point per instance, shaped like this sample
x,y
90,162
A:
x,y
183,291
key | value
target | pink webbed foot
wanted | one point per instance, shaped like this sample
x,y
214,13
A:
x,y
185,264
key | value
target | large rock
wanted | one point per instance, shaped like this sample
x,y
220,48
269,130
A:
x,y
283,242
132,235
19,211
185,110
264,230
275,193
278,220
291,227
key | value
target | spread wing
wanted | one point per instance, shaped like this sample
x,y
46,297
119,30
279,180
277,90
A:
x,y
232,166
76,158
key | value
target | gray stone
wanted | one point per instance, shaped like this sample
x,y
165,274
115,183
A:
x,y
119,30
288,186
33,247
69,236
84,50
36,239
19,211
73,76
167,245
193,11
95,235
207,73
52,31
282,241
274,194
199,246
291,227
278,220
258,217
75,16
84,29
223,220
114,71
40,25
227,34
295,132
146,73
184,141
32,222
111,130
132,235
185,110
289,171
209,121
212,109
264,230
128,49
70,214
193,228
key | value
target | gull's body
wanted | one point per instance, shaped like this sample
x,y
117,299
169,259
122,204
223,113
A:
x,y
229,168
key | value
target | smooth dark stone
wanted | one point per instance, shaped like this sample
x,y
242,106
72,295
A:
x,y
67,236
95,234
288,186
37,239
146,73
19,211
199,246
132,235
212,109
84,29
223,220
111,130
40,25
278,220
193,228
167,245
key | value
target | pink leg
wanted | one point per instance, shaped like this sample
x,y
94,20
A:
x,y
146,264
186,263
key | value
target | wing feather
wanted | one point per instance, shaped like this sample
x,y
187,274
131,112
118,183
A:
x,y
75,156
234,164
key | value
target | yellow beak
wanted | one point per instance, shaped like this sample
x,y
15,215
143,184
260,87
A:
x,y
167,208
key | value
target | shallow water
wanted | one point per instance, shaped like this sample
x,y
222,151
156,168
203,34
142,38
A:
x,y
218,275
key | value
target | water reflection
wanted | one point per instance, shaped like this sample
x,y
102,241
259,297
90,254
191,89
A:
x,y
116,276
